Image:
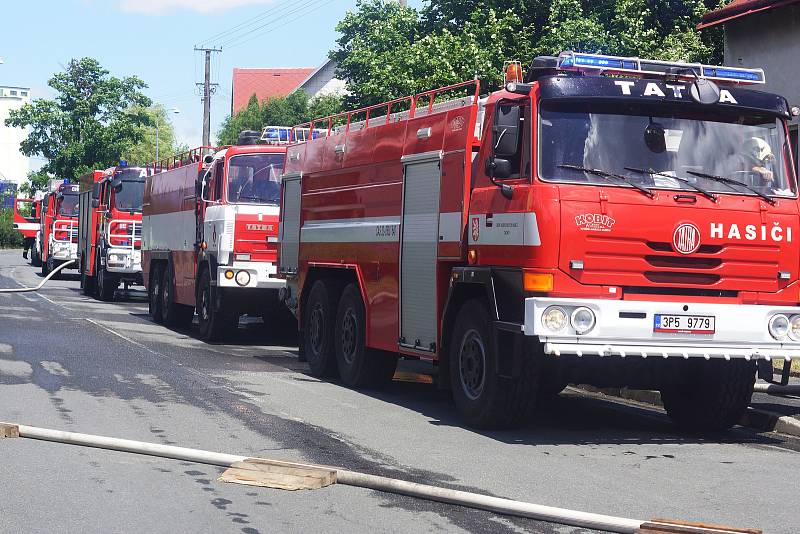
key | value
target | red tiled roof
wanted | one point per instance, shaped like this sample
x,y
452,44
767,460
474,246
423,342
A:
x,y
739,8
265,83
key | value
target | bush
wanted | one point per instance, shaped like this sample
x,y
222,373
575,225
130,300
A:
x,y
9,238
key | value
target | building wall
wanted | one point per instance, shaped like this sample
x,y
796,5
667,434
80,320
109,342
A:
x,y
323,82
14,166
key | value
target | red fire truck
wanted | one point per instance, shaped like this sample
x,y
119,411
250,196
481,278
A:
x,y
636,230
110,230
59,226
209,236
26,222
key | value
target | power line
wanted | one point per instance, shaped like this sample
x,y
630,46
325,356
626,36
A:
x,y
302,8
249,22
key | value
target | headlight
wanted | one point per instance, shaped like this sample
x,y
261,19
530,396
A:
x,y
583,320
778,326
242,278
794,327
554,319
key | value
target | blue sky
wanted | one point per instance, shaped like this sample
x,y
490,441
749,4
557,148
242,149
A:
x,y
153,39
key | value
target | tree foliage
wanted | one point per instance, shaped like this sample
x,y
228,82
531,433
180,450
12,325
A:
x,y
290,110
387,51
91,122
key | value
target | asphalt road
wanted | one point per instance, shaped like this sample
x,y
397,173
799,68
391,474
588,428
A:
x,y
68,362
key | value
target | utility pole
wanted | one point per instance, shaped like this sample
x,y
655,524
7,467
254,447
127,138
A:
x,y
208,89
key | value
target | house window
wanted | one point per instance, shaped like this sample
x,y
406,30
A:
x,y
13,93
23,93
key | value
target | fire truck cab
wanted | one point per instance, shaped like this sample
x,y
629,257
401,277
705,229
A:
x,y
109,250
210,236
27,222
59,226
639,230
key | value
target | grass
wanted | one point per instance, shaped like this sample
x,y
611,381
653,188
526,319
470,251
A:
x,y
778,365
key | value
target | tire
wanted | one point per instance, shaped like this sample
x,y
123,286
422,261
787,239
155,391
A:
x,y
712,395
106,284
50,267
359,367
87,282
319,316
36,260
484,399
214,324
173,313
44,268
154,293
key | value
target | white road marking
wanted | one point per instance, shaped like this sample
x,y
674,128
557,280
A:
x,y
16,368
6,348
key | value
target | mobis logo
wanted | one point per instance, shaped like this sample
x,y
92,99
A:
x,y
596,222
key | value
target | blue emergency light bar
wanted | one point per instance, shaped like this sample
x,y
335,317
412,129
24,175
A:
x,y
276,134
598,63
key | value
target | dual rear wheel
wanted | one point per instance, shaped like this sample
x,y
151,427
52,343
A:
x,y
161,301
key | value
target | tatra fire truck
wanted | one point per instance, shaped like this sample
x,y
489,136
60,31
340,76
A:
x,y
59,226
209,238
27,223
110,230
601,220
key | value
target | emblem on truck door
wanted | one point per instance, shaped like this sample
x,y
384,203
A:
x,y
686,238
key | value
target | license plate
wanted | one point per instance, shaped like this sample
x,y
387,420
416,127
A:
x,y
684,324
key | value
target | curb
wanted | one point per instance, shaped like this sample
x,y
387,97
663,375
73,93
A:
x,y
760,420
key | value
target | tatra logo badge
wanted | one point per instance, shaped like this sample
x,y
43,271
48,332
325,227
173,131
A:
x,y
686,238
476,228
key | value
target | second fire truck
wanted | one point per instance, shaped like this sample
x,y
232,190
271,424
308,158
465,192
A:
x,y
109,244
58,236
209,238
639,229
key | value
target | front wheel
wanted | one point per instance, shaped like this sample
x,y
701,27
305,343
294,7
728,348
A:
x,y
709,395
214,321
106,283
87,282
484,399
358,365
50,267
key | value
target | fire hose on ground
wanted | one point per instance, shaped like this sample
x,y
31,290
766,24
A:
x,y
41,284
291,475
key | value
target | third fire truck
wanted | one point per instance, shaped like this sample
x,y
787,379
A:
x,y
638,229
58,236
110,229
209,237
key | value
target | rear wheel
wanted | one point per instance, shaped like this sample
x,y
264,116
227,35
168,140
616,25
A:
x,y
154,293
107,284
484,399
709,395
358,365
174,314
214,322
319,316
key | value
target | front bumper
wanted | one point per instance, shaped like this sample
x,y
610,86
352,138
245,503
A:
x,y
123,261
260,275
625,328
62,251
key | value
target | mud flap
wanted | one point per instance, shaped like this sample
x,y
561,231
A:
x,y
510,348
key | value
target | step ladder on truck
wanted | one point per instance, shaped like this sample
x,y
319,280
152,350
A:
x,y
209,238
600,220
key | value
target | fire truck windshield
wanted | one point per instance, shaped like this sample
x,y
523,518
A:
x,y
68,207
255,178
679,149
129,195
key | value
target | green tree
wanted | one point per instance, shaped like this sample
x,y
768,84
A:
x,y
290,110
90,123
144,151
387,51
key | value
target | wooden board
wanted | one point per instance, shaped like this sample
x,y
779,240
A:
x,y
671,526
8,431
278,475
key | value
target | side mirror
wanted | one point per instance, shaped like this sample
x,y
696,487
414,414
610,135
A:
x,y
95,203
96,191
506,129
498,168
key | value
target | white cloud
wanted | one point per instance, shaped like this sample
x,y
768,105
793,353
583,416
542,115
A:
x,y
159,7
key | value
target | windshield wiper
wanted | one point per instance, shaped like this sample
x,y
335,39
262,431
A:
x,y
731,181
708,194
607,175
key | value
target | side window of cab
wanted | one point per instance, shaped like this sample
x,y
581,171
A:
x,y
511,141
217,179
